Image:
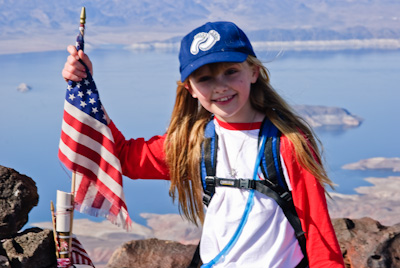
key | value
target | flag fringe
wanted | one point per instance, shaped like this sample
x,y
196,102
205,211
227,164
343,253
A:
x,y
114,219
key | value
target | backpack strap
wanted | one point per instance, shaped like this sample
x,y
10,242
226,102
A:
x,y
271,166
208,162
275,185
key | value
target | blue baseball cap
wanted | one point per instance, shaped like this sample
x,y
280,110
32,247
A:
x,y
210,43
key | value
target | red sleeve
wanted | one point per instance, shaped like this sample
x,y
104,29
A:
x,y
309,199
140,158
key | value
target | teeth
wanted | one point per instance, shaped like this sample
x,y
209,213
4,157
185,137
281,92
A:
x,y
224,99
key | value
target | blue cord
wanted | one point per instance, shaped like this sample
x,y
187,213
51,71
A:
x,y
238,232
248,207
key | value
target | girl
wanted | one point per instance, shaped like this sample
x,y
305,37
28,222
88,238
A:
x,y
223,81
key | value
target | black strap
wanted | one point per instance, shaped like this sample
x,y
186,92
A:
x,y
235,183
274,172
275,186
196,258
285,201
303,263
210,160
282,198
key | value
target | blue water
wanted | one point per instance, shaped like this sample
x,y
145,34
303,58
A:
x,y
138,90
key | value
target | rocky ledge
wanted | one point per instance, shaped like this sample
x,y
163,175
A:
x,y
365,243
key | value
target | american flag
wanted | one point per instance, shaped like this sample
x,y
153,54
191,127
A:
x,y
87,148
79,254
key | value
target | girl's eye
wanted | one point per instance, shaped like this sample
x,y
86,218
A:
x,y
203,78
231,71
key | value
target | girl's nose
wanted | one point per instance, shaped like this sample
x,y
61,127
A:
x,y
220,85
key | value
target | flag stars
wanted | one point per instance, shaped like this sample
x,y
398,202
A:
x,y
84,96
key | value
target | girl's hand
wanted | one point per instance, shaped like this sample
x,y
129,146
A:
x,y
73,69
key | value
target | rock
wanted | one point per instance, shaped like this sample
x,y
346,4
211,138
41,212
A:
x,y
33,247
322,116
23,87
365,243
18,195
152,253
4,263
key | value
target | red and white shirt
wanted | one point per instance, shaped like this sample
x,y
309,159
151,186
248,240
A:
x,y
267,239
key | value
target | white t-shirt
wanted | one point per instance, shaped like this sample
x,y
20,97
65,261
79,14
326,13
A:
x,y
268,239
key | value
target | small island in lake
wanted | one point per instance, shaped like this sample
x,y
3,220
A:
x,y
376,163
324,116
23,87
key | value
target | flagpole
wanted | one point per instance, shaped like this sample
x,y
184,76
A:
x,y
53,219
79,46
72,211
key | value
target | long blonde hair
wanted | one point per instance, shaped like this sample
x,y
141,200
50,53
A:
x,y
186,133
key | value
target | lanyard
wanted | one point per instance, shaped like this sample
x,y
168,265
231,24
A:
x,y
248,207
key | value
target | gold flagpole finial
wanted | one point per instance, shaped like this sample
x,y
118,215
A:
x,y
83,15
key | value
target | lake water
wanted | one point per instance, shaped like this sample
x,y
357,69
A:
x,y
138,90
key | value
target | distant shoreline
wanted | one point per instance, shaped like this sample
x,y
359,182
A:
x,y
42,44
300,45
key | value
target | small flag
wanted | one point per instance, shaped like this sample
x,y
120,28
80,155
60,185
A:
x,y
79,255
87,148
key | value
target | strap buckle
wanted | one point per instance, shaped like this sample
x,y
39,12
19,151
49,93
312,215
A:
x,y
206,199
246,184
210,180
287,196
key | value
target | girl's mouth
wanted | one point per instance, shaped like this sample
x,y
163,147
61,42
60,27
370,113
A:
x,y
225,99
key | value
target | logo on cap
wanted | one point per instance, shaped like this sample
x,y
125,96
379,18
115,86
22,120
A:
x,y
204,41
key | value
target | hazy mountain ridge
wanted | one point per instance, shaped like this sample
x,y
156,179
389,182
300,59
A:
x,y
125,22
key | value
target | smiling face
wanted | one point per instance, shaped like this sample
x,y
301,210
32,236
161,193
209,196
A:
x,y
225,91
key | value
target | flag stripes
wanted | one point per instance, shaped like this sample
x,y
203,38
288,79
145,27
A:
x,y
79,254
87,148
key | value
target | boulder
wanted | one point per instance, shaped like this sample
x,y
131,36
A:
x,y
152,253
365,243
33,247
18,195
4,263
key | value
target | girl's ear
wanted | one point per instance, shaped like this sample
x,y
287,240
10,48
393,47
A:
x,y
189,88
255,73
